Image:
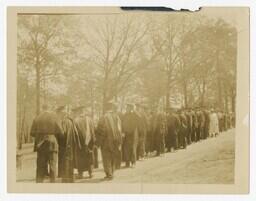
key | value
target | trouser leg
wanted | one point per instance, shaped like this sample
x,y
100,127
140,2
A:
x,y
143,148
189,136
198,134
193,135
162,150
95,152
53,165
133,152
42,165
68,172
90,170
60,162
118,159
169,142
114,160
176,142
107,162
185,142
181,139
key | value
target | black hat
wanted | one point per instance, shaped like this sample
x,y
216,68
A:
x,y
60,108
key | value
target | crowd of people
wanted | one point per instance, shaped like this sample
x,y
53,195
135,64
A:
x,y
65,142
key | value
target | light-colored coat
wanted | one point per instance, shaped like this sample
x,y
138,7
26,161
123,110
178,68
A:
x,y
214,124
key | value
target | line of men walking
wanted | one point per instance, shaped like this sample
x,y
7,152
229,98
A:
x,y
71,141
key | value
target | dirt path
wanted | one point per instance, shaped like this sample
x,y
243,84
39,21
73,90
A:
x,y
210,161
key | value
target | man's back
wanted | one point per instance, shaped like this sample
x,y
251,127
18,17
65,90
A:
x,y
172,122
46,130
45,124
109,130
85,129
45,127
130,122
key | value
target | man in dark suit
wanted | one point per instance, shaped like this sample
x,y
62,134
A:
x,y
109,138
183,129
130,123
173,125
46,130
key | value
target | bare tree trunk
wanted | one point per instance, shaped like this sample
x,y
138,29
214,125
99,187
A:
x,y
122,103
167,104
92,103
219,94
233,102
38,77
185,94
24,132
226,108
104,101
19,133
219,84
203,94
105,92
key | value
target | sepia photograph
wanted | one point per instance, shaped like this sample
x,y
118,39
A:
x,y
128,97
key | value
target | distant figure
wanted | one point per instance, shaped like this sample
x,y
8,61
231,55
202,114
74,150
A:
x,y
149,138
173,124
221,120
85,129
120,115
109,138
207,122
201,119
46,130
142,128
189,125
130,124
159,132
183,130
197,124
214,124
194,125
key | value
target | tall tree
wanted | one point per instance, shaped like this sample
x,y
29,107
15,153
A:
x,y
211,52
38,35
112,42
166,37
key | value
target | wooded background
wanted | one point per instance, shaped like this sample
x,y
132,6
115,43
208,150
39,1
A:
x,y
162,60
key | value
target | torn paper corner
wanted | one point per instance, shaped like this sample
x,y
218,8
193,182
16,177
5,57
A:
x,y
178,7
